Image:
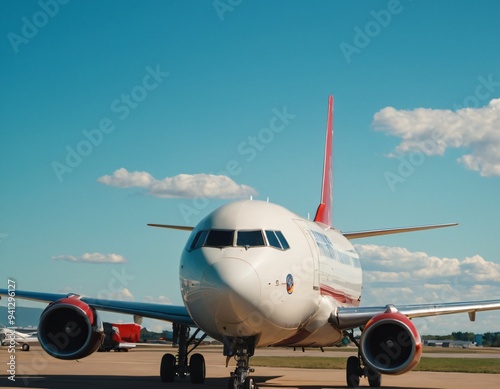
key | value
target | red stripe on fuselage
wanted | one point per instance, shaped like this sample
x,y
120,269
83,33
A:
x,y
338,295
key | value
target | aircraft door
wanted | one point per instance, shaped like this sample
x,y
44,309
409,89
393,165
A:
x,y
313,249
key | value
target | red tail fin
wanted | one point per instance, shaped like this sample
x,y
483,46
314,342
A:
x,y
324,212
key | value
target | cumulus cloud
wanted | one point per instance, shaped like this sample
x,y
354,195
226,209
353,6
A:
x,y
122,178
122,294
399,260
390,271
180,186
478,269
432,131
92,258
157,299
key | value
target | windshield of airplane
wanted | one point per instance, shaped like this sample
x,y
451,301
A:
x,y
219,238
250,238
244,238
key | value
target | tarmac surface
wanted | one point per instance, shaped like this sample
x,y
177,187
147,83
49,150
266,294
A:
x,y
139,368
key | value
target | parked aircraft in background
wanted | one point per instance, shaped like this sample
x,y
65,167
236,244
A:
x,y
255,274
18,337
120,337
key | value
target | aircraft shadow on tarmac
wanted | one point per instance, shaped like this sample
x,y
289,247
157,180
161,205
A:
x,y
153,382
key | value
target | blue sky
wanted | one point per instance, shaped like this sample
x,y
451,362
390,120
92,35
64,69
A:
x,y
183,89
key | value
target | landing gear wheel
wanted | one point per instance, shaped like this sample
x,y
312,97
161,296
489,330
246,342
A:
x,y
197,368
374,378
249,384
167,368
231,384
352,372
26,347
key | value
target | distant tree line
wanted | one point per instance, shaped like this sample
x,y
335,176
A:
x,y
148,336
490,339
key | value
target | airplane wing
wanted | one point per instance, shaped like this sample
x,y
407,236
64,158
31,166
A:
x,y
353,317
388,231
172,313
172,227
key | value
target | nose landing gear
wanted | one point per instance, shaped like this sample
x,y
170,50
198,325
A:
x,y
242,349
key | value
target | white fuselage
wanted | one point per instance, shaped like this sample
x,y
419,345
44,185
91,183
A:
x,y
253,268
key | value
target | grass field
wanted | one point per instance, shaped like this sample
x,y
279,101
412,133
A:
x,y
464,365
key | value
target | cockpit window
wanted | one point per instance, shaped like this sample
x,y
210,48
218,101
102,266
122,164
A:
x,y
199,239
247,239
250,238
276,239
273,239
282,239
220,238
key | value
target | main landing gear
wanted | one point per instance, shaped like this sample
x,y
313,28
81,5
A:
x,y
242,349
356,369
172,366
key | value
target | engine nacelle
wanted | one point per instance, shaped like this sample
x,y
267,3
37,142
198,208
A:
x,y
390,343
70,329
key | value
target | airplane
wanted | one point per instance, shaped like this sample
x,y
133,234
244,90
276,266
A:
x,y
254,274
18,338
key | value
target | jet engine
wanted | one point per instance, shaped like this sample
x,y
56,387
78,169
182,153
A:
x,y
70,329
390,343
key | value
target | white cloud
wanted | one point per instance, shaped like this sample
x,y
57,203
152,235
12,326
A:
x,y
399,276
180,186
158,299
122,294
414,265
432,131
92,258
478,269
122,178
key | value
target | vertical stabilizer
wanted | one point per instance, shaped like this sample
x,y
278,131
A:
x,y
324,212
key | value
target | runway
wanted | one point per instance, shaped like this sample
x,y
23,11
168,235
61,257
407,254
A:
x,y
140,368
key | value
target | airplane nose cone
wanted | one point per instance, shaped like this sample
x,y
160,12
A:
x,y
230,288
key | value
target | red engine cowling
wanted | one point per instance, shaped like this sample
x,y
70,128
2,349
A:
x,y
390,344
70,329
